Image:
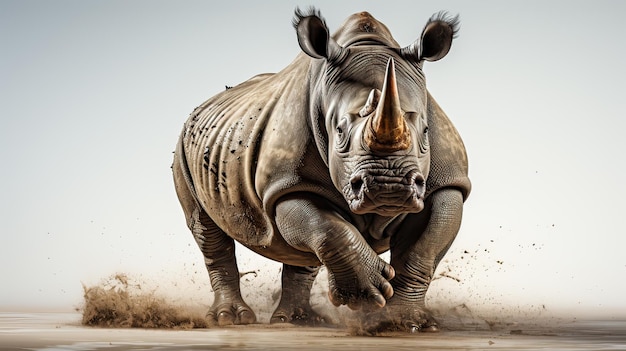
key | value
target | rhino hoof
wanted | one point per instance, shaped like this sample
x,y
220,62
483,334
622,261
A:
x,y
246,317
225,318
302,317
428,327
279,318
231,315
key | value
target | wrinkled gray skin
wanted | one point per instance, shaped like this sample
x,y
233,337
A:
x,y
283,163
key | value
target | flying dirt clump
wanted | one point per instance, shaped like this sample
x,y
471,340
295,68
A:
x,y
120,303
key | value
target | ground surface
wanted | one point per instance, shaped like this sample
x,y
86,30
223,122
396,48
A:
x,y
62,331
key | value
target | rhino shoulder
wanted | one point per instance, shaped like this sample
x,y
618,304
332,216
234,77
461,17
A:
x,y
449,163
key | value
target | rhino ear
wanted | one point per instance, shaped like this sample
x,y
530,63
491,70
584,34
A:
x,y
436,38
313,35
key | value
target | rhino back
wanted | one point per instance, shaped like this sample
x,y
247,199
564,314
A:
x,y
449,164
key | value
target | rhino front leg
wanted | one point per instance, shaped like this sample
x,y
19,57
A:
x,y
219,256
416,249
356,274
295,306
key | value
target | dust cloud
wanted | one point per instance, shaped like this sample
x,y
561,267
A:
x,y
120,302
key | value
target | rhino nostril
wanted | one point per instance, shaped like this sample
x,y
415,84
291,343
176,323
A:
x,y
357,185
420,185
419,181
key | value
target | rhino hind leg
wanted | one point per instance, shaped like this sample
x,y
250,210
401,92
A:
x,y
219,256
218,250
417,249
294,306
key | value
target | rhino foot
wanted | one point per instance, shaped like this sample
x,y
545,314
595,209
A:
x,y
396,318
364,285
294,306
234,313
302,316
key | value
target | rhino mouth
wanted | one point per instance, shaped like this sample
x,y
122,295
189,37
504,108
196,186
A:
x,y
385,194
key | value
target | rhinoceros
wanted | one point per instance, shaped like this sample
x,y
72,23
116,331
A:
x,y
337,158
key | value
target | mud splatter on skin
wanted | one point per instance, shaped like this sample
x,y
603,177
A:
x,y
120,303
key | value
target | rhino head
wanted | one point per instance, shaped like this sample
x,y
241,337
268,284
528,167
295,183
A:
x,y
369,107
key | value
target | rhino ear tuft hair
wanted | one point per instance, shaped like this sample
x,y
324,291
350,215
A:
x,y
313,36
436,39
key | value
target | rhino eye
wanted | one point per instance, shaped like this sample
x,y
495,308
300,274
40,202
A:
x,y
342,131
342,126
423,141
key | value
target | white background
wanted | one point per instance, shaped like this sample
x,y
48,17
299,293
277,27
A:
x,y
93,95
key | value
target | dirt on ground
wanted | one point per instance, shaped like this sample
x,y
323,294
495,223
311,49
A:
x,y
120,302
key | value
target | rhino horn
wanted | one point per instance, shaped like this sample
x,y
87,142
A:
x,y
386,129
